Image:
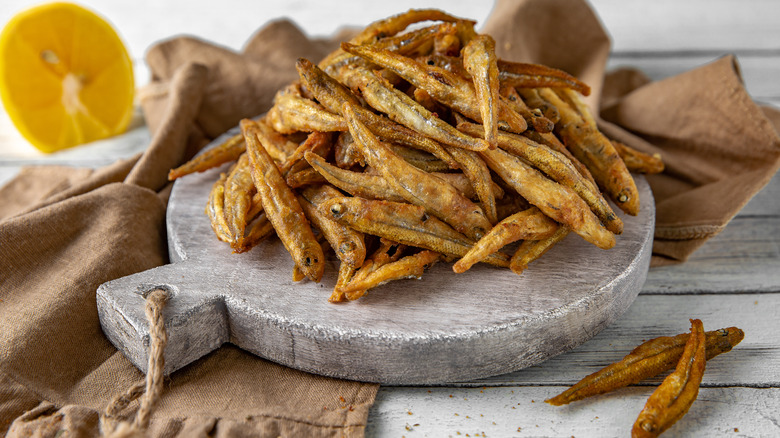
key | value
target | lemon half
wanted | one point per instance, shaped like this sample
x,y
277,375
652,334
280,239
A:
x,y
65,76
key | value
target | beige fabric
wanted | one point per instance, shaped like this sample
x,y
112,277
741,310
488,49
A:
x,y
34,184
719,147
66,231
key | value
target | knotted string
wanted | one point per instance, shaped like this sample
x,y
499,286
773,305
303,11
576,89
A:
x,y
148,391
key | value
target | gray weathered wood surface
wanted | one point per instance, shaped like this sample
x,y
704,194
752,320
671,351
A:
x,y
732,280
441,328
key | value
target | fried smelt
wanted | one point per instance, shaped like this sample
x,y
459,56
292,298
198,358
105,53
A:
x,y
557,167
411,266
410,43
552,142
292,113
215,210
418,187
257,231
239,189
426,100
360,184
226,152
420,159
451,38
388,252
464,185
528,224
405,223
346,272
303,178
318,142
647,360
581,136
297,274
521,75
345,153
447,42
277,145
478,174
378,118
533,117
637,161
257,206
349,245
328,91
391,26
282,208
557,201
403,109
449,89
510,203
397,23
430,165
415,41
530,250
451,64
675,395
333,95
479,59
532,99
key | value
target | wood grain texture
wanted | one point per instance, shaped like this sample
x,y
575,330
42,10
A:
x,y
764,203
744,257
755,362
692,25
521,412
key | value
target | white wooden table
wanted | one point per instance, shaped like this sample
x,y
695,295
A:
x,y
733,280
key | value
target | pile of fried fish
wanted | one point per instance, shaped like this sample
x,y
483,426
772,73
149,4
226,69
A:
x,y
412,144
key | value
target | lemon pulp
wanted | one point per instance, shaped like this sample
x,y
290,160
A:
x,y
65,76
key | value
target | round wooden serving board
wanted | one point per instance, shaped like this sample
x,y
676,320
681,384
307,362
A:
x,y
445,327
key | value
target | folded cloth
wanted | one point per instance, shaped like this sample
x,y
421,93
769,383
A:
x,y
719,147
67,231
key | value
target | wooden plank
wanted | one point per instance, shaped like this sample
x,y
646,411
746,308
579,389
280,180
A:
x,y
765,202
639,25
744,257
754,362
520,412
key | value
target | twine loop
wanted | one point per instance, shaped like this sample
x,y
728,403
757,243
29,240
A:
x,y
149,390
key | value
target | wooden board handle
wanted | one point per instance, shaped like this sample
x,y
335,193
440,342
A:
x,y
121,308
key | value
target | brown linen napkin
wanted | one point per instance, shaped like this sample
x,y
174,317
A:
x,y
64,236
719,147
66,231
